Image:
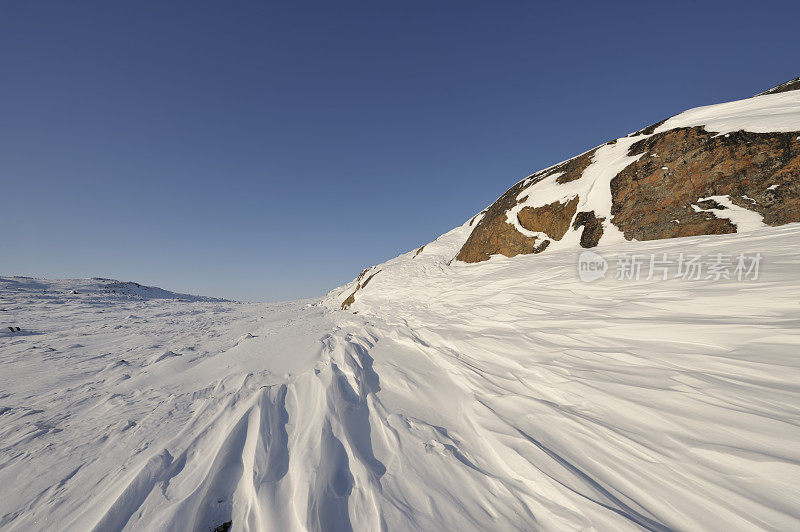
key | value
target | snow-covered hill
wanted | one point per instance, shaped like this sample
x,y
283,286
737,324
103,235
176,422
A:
x,y
640,385
62,289
727,168
712,170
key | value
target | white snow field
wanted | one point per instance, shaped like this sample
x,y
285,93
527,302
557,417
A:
x,y
505,395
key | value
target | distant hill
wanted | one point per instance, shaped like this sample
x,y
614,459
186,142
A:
x,y
97,286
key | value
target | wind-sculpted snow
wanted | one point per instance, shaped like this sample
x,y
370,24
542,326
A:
x,y
506,395
651,403
765,113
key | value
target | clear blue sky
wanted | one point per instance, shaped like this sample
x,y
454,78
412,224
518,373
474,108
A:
x,y
271,150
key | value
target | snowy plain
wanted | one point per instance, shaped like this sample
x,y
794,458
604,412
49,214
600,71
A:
x,y
505,395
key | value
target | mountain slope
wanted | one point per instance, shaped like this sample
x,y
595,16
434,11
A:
x,y
724,168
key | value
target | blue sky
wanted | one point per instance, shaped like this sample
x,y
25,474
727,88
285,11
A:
x,y
271,150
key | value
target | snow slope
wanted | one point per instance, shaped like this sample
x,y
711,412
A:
x,y
765,113
503,395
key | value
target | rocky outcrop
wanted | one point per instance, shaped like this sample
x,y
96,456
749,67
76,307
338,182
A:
x,y
653,196
572,169
493,234
661,193
791,85
359,285
552,219
592,228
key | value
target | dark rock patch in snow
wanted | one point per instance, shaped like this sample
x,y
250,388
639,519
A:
x,y
791,85
647,199
359,285
552,219
592,228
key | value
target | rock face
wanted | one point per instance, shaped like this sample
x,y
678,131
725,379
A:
x,y
791,85
552,219
494,235
653,197
592,228
660,190
359,285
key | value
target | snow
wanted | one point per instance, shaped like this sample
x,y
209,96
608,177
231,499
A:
x,y
506,394
744,219
672,401
593,189
760,114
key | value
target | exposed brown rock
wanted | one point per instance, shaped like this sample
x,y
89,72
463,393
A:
x,y
350,300
791,85
552,219
651,202
493,235
361,275
709,204
369,279
649,129
592,228
573,169
541,247
472,220
359,285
